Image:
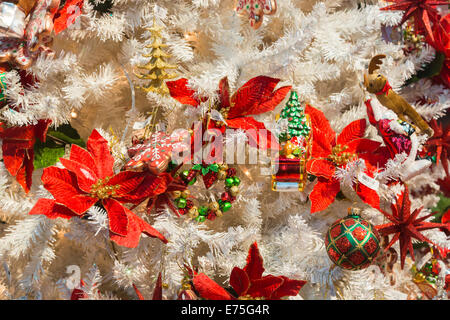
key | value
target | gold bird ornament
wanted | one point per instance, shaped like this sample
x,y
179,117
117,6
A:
x,y
378,84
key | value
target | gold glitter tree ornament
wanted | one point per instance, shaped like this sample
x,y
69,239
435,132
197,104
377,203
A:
x,y
157,66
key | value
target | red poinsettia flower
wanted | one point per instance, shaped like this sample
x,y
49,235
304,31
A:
x,y
423,11
89,178
330,152
249,283
254,97
18,149
405,225
439,144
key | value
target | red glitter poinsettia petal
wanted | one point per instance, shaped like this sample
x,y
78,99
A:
x,y
323,194
62,184
209,289
85,176
355,130
157,292
289,287
255,263
99,149
321,127
180,91
256,96
25,135
136,226
118,218
265,286
51,209
239,281
127,181
150,186
256,132
320,168
80,155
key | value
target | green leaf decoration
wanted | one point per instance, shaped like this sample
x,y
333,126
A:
x,y
197,167
48,153
66,134
205,171
214,167
430,70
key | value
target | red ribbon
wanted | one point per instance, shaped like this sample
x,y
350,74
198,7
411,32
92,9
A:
x,y
385,89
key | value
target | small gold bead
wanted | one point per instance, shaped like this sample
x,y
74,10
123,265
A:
x,y
185,193
176,194
193,212
214,206
234,190
222,175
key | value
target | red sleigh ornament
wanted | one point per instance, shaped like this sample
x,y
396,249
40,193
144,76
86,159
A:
x,y
289,169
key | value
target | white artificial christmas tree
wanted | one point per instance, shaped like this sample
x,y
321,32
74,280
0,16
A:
x,y
321,49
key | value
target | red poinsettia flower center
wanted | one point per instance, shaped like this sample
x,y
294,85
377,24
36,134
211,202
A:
x,y
339,156
102,190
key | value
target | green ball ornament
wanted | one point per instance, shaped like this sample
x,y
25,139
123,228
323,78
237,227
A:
x,y
181,203
236,181
185,173
200,219
225,206
203,211
352,242
229,182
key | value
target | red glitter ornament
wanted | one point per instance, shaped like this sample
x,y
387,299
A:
x,y
352,243
406,225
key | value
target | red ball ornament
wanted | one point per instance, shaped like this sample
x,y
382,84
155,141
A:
x,y
352,243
